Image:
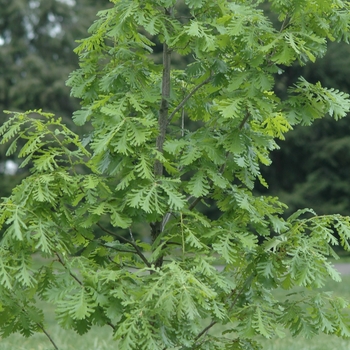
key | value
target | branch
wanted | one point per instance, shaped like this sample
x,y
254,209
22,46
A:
x,y
162,124
48,336
213,323
76,278
223,166
195,202
111,325
117,249
107,246
206,329
244,121
131,235
64,265
186,98
284,25
164,107
121,238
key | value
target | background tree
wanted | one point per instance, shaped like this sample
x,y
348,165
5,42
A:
x,y
311,168
148,168
37,39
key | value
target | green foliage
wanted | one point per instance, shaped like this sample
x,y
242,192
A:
x,y
164,141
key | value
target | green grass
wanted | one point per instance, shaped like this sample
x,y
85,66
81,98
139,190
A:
x,y
97,339
320,341
101,338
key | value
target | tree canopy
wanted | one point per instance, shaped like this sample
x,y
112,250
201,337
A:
x,y
165,140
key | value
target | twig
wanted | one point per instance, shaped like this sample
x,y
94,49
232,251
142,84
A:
x,y
48,336
283,26
195,202
165,220
212,323
64,265
111,325
138,250
131,235
76,278
206,329
244,121
223,166
186,98
108,246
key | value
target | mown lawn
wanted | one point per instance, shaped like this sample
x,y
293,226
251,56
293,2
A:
x,y
321,341
101,338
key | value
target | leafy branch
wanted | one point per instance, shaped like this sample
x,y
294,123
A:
x,y
79,282
48,336
132,243
187,97
223,166
234,301
60,260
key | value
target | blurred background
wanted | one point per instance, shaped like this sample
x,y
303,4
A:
x,y
37,38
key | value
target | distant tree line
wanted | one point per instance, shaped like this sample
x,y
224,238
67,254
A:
x,y
37,38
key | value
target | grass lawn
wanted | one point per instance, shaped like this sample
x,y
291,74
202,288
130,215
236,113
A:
x,y
321,341
101,338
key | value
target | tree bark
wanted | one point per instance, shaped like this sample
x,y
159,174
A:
x,y
164,107
162,126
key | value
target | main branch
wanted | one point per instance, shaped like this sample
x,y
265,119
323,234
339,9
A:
x,y
157,226
132,243
164,107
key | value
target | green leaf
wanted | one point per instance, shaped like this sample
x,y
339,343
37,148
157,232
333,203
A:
x,y
118,219
194,3
144,167
82,308
198,186
231,108
176,200
227,249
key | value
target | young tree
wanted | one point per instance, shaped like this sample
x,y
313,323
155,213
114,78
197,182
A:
x,y
165,142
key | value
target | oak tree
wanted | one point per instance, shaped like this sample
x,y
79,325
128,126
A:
x,y
167,142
